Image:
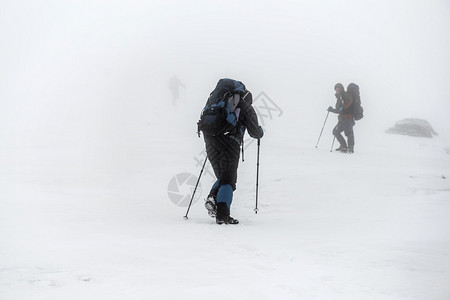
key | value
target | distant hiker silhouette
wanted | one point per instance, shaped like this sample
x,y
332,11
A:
x,y
174,86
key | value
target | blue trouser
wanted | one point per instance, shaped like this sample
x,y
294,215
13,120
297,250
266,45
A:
x,y
214,189
223,153
222,193
225,194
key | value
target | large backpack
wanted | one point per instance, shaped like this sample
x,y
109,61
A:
x,y
358,111
220,116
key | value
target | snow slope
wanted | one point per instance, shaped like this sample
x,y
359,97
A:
x,y
89,143
96,222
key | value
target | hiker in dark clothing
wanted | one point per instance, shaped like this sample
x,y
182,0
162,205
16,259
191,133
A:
x,y
223,152
344,107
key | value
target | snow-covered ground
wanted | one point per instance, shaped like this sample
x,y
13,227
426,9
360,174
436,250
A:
x,y
90,143
97,223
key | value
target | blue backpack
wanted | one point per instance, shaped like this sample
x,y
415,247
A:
x,y
220,115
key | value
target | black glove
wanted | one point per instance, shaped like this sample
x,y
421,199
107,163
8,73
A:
x,y
330,109
262,131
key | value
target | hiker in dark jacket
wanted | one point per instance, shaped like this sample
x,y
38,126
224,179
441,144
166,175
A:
x,y
344,107
223,152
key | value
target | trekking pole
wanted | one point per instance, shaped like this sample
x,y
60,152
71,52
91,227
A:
x,y
257,177
198,180
322,129
332,144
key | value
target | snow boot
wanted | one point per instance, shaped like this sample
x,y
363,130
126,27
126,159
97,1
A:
x,y
226,220
211,207
342,149
223,215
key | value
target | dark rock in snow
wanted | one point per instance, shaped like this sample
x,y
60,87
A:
x,y
413,127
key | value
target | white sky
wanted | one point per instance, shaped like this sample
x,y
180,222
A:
x,y
74,54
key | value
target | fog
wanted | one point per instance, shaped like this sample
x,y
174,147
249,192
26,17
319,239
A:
x,y
94,138
77,73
